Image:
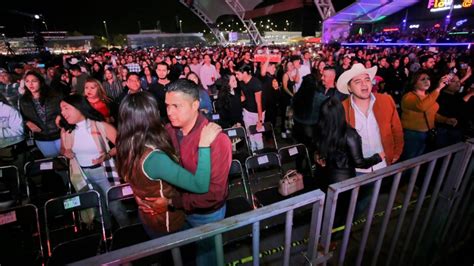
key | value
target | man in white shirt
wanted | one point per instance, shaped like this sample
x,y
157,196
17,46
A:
x,y
208,73
307,59
373,115
375,118
300,70
195,66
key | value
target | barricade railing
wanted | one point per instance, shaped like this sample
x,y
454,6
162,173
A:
x,y
174,241
418,229
416,232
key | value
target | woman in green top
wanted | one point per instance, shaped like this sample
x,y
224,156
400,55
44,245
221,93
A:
x,y
147,160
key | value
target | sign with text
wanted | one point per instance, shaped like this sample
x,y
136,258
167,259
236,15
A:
x,y
442,5
262,58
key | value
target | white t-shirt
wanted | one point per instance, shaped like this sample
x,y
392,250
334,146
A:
x,y
84,146
303,71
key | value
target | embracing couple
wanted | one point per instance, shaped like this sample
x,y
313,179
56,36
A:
x,y
178,173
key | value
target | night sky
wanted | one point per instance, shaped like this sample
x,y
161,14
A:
x,y
87,16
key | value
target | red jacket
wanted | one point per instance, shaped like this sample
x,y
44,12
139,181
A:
x,y
221,159
391,131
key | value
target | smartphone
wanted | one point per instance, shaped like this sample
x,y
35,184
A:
x,y
451,75
40,65
464,66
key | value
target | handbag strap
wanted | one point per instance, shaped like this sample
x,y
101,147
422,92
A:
x,y
426,120
103,135
289,173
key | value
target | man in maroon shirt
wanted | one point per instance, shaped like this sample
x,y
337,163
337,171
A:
x,y
186,123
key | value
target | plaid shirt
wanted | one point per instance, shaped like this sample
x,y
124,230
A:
x,y
133,67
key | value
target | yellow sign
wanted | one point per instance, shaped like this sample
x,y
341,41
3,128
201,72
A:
x,y
437,5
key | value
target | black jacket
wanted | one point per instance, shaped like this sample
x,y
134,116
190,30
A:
x,y
307,101
49,130
340,165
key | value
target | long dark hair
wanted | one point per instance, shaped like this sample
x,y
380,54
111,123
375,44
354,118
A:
x,y
44,90
303,98
82,105
139,126
223,99
331,128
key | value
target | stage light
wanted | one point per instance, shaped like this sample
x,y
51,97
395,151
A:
x,y
407,44
460,22
390,29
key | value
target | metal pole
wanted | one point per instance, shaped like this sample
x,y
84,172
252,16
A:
x,y
176,253
288,228
448,17
219,249
256,243
406,201
106,31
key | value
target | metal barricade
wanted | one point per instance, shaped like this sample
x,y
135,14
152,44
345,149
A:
x,y
418,229
174,241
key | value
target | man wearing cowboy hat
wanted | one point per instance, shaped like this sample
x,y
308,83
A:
x,y
373,115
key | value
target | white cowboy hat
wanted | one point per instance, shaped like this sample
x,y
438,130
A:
x,y
356,69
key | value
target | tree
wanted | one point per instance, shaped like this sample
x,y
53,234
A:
x,y
119,40
75,33
99,42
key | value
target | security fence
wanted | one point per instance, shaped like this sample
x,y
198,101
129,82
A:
x,y
410,213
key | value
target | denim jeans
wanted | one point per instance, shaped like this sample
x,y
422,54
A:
x,y
364,198
206,251
49,149
256,140
448,136
415,143
101,184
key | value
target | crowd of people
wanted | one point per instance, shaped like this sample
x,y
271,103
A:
x,y
425,35
144,116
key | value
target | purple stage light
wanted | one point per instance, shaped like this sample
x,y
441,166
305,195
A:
x,y
407,44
